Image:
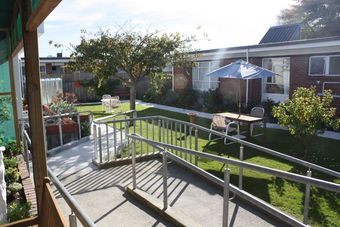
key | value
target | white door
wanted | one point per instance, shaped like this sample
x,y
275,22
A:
x,y
276,87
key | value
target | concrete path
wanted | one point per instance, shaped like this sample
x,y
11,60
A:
x,y
101,193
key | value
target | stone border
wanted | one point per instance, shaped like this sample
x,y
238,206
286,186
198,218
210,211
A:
x,y
28,186
171,214
125,161
66,146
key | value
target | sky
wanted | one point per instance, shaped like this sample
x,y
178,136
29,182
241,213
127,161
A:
x,y
227,23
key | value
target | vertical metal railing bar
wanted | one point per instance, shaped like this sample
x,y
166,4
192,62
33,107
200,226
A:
x,y
167,131
153,134
176,137
226,197
79,125
115,140
307,198
163,130
134,183
240,176
107,141
100,144
60,130
141,133
190,142
165,180
171,135
185,142
196,146
159,131
180,139
147,136
121,132
96,156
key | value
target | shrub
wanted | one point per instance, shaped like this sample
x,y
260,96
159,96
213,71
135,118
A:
x,y
14,188
63,103
85,128
13,148
17,211
306,114
11,162
12,175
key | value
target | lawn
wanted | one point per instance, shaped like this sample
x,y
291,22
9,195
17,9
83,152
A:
x,y
286,195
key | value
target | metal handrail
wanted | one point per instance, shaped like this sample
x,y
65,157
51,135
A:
x,y
236,140
307,180
112,116
278,173
73,204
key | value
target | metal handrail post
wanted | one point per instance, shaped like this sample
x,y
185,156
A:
x,y
100,144
60,131
79,125
240,177
107,141
134,183
307,198
72,219
95,142
226,197
196,146
165,181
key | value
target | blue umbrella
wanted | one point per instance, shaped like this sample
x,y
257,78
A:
x,y
241,70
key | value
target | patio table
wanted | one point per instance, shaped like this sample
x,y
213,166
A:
x,y
247,119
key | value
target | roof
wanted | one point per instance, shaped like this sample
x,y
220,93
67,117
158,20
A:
x,y
265,45
282,33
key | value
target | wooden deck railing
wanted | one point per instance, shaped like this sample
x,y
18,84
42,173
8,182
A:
x,y
49,215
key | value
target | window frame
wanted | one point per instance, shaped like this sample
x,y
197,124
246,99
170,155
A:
x,y
327,64
199,81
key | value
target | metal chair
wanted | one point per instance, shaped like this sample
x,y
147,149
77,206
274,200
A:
x,y
106,102
219,123
256,112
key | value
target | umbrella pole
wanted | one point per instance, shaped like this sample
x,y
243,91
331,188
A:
x,y
239,98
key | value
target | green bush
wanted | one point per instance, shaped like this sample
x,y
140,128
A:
x,y
306,114
63,103
12,175
13,148
11,162
14,188
17,211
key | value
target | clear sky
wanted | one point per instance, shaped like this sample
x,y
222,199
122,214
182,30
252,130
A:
x,y
227,22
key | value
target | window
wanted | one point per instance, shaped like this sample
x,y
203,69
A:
x,y
324,65
278,84
202,82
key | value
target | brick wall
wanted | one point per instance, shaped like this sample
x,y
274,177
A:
x,y
299,66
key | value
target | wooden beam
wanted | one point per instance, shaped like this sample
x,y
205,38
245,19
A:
x,y
4,29
39,15
35,112
14,101
23,223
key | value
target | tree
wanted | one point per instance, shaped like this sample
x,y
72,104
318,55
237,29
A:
x,y
5,114
129,55
306,114
318,18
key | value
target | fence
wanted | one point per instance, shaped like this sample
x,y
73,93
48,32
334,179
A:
x,y
178,140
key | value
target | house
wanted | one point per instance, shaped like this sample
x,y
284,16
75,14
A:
x,y
299,63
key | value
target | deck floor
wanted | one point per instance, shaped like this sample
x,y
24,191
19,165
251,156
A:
x,y
101,193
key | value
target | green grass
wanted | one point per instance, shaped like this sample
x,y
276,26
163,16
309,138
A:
x,y
285,195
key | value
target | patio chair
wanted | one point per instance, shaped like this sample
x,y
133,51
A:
x,y
256,112
114,101
219,123
106,102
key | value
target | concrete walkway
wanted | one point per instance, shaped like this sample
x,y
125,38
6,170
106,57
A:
x,y
326,134
101,193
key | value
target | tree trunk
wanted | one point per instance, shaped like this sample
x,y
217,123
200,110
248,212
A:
x,y
133,89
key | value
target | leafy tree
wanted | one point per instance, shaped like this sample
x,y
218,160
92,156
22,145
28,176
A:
x,y
306,114
318,18
129,55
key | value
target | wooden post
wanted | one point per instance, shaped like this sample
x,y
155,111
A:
x,y
14,100
35,113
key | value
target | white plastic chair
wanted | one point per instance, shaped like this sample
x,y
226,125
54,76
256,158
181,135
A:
x,y
106,102
256,112
219,123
